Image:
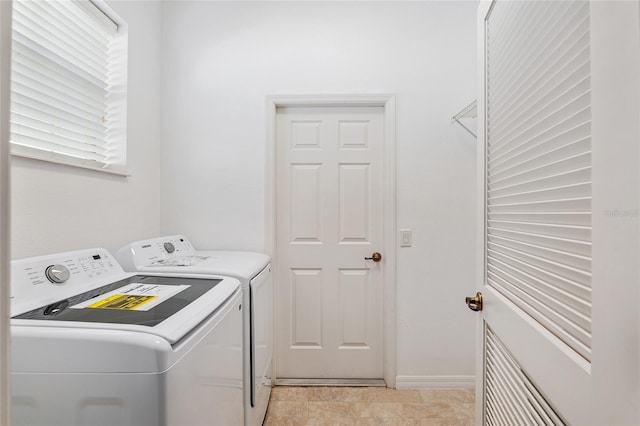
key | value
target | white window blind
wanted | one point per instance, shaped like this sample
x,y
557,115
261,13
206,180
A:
x,y
539,164
68,89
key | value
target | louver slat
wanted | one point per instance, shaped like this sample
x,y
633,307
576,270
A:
x,y
511,397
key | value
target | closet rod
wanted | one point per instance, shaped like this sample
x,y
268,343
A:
x,y
470,111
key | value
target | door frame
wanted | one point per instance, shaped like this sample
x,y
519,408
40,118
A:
x,y
5,339
388,103
483,10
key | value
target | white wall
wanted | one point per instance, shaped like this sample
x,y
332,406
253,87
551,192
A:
x,y
221,59
57,208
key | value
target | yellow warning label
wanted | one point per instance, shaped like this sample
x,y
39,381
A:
x,y
129,302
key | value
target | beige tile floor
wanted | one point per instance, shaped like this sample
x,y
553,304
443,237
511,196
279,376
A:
x,y
336,406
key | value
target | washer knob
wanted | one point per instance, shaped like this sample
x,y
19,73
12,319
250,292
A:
x,y
57,274
169,247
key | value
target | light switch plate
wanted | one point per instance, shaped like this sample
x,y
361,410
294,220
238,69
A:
x,y
405,238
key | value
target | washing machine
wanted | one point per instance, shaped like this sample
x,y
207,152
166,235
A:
x,y
93,345
176,254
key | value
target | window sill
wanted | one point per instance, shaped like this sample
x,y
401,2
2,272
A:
x,y
123,173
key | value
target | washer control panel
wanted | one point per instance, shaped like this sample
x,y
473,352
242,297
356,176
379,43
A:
x,y
37,280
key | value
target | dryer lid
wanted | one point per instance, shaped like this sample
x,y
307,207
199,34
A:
x,y
237,264
152,256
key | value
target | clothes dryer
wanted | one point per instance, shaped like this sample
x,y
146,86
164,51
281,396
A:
x,y
176,254
93,345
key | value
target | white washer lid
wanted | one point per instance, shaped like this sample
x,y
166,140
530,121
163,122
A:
x,y
172,329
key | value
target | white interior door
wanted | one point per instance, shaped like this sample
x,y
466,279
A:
x,y
329,218
559,154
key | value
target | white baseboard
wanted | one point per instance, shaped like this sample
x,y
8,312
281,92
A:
x,y
435,382
331,382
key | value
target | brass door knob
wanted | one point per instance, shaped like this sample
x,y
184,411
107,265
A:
x,y
376,257
474,303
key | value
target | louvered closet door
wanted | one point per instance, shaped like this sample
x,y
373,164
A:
x,y
559,329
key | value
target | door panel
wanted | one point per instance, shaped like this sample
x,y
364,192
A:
x,y
306,308
354,203
559,162
355,307
329,182
306,207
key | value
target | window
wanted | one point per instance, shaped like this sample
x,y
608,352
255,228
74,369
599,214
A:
x,y
68,84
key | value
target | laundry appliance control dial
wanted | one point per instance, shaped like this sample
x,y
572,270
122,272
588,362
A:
x,y
57,274
169,247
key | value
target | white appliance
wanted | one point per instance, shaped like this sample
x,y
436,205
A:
x,y
176,254
93,345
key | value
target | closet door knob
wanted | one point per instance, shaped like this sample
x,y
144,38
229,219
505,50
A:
x,y
474,303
